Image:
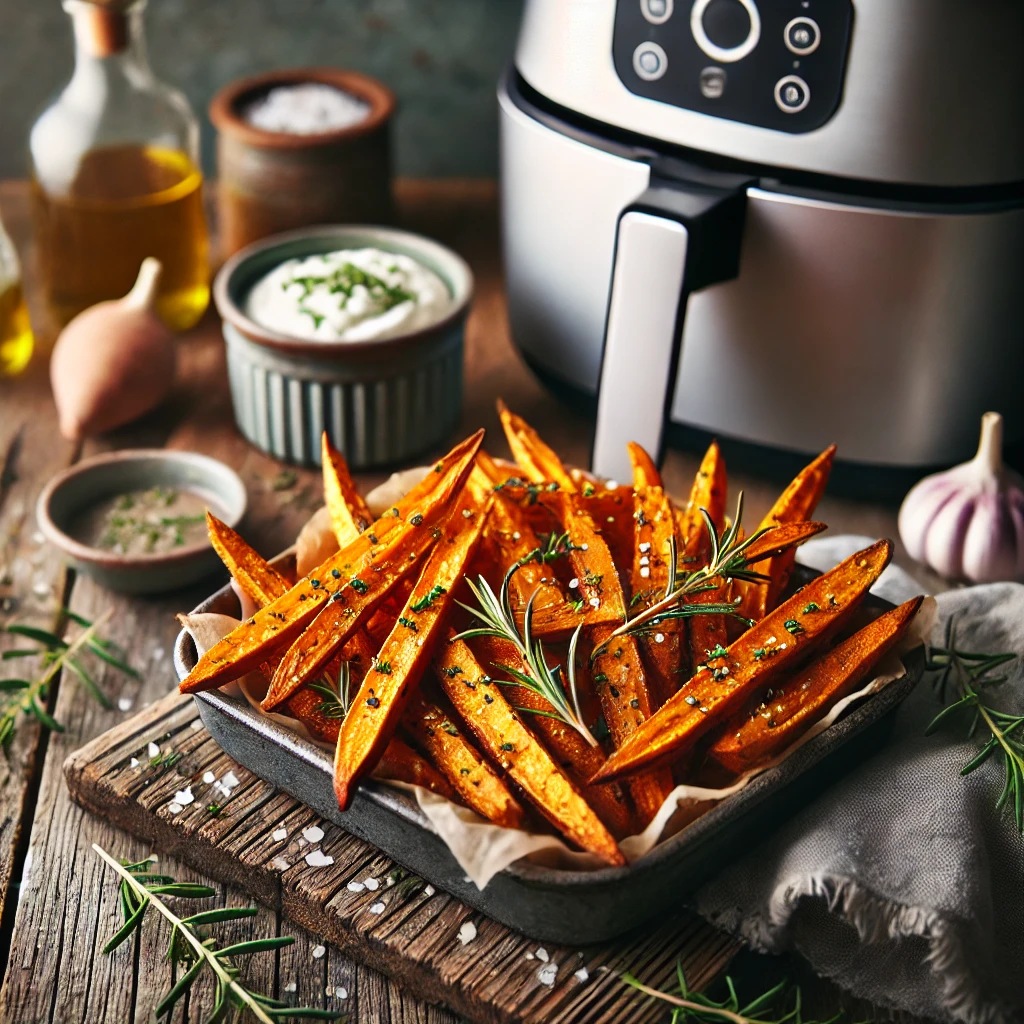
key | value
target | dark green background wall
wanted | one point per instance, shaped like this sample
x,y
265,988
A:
x,y
442,58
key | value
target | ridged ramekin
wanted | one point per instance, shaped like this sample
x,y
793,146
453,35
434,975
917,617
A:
x,y
381,401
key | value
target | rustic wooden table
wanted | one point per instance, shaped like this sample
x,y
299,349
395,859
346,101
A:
x,y
58,905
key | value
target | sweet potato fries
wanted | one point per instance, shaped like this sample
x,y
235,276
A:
x,y
549,649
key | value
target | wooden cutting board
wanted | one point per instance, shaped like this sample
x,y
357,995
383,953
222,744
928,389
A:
x,y
241,830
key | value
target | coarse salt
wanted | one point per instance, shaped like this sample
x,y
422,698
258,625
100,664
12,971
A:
x,y
307,108
356,887
646,546
645,560
581,975
547,974
318,951
196,724
372,884
573,583
280,863
595,602
184,796
341,992
645,572
313,834
175,808
377,908
153,749
209,778
429,890
291,987
542,954
318,859
134,762
467,933
659,638
279,835
124,703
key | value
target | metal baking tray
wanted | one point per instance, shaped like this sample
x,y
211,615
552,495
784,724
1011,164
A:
x,y
563,906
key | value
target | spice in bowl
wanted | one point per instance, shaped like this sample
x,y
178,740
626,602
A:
x,y
349,295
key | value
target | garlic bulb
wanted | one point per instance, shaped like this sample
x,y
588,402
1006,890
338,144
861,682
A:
x,y
969,521
114,361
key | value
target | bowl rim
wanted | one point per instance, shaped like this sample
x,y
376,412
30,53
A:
x,y
224,107
461,279
111,559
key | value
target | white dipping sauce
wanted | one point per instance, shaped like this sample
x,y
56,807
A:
x,y
349,295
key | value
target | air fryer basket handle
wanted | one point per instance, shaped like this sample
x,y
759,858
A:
x,y
676,238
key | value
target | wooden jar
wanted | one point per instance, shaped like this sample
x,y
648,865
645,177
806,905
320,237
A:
x,y
277,181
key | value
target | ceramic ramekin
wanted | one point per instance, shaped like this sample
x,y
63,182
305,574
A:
x,y
381,401
74,490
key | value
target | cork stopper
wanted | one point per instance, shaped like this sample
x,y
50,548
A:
x,y
101,27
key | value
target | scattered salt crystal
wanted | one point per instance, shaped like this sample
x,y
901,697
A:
x,y
645,572
318,951
645,560
612,485
377,908
313,834
517,535
467,933
341,992
581,975
41,588
290,987
124,703
184,796
429,890
175,808
595,602
279,835
230,780
529,956
318,859
356,887
574,583
153,749
659,638
134,762
584,547
280,863
646,546
196,723
209,778
547,974
542,954
307,108
372,884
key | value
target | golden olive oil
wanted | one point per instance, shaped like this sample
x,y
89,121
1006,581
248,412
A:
x,y
16,340
125,203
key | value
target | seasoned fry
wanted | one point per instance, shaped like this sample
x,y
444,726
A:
x,y
796,503
787,711
710,486
479,786
403,764
574,754
653,535
619,675
382,560
257,577
507,741
756,659
406,652
539,463
349,514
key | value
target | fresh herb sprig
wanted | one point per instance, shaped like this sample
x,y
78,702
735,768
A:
x,y
335,701
971,674
28,696
780,1004
195,950
728,561
495,612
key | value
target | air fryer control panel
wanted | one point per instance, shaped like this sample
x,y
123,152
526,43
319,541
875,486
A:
x,y
773,63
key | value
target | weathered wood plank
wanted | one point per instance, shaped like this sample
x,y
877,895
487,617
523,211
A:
x,y
363,902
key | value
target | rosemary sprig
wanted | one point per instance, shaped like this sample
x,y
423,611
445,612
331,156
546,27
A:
x,y
28,696
778,1005
970,673
495,612
141,889
335,700
728,561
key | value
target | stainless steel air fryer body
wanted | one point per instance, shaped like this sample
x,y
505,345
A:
x,y
875,297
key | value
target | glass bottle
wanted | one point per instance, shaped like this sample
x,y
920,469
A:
x,y
115,175
16,341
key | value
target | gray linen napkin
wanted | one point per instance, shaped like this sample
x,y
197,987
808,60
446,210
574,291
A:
x,y
901,882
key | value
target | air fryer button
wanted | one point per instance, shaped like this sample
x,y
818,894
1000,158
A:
x,y
802,36
657,12
712,83
650,61
726,30
792,94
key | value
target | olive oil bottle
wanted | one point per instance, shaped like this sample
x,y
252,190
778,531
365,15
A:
x,y
115,176
16,339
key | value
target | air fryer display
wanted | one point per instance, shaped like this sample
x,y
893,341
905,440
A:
x,y
778,64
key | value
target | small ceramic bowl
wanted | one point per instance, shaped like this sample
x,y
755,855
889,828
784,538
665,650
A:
x,y
75,490
381,401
